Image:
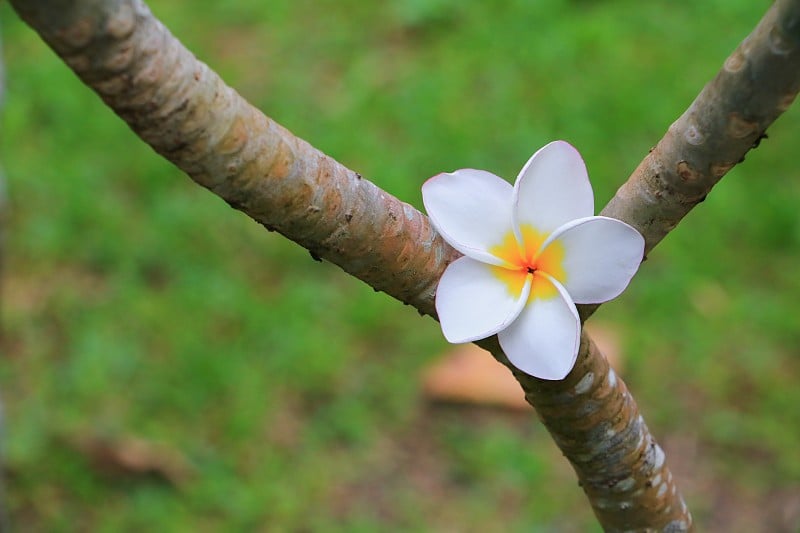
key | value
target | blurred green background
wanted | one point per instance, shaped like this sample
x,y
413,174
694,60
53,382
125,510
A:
x,y
260,390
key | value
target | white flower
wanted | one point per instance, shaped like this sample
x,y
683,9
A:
x,y
531,252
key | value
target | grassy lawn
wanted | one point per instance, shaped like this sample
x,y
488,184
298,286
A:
x,y
261,390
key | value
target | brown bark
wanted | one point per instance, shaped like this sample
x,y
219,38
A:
x,y
595,422
186,113
757,83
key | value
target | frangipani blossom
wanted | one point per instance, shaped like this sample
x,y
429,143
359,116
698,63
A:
x,y
531,252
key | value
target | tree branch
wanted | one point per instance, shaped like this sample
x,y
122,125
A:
x,y
595,422
757,83
186,113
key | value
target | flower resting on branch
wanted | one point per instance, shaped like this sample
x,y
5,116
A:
x,y
531,252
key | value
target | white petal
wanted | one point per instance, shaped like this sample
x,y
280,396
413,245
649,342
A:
x,y
553,188
544,340
601,255
471,209
473,303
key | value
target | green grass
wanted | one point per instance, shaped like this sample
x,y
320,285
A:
x,y
138,304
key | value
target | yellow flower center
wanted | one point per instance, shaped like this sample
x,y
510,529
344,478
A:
x,y
523,261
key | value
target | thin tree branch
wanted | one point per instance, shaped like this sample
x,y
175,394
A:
x,y
757,83
186,113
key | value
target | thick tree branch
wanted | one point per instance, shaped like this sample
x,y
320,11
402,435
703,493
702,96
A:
x,y
186,113
595,422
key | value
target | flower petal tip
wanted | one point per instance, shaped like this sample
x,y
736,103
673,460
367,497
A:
x,y
561,144
553,188
556,369
543,342
472,303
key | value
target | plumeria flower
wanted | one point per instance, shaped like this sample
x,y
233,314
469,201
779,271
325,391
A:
x,y
531,252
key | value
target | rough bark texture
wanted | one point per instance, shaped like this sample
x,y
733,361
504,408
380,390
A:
x,y
595,422
757,83
186,113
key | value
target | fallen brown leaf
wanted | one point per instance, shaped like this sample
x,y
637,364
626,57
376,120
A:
x,y
130,455
468,374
